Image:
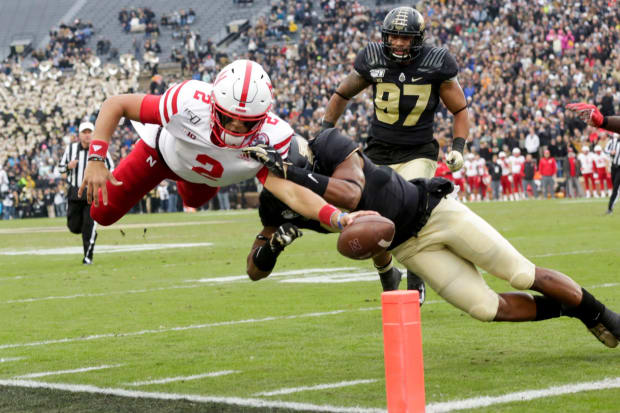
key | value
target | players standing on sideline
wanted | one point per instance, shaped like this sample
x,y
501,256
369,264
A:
x,y
593,117
74,162
444,241
408,79
202,130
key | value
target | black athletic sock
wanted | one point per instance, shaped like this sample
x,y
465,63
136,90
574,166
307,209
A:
x,y
546,308
589,311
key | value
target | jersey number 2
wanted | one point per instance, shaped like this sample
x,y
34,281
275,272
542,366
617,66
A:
x,y
387,109
215,168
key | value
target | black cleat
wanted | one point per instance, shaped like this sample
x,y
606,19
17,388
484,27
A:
x,y
416,283
87,261
390,280
611,321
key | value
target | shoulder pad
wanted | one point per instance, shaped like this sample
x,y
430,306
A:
x,y
373,54
432,59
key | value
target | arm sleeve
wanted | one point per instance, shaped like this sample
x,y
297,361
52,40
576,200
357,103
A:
x,y
176,97
149,110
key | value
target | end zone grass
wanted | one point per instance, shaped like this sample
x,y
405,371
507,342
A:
x,y
147,313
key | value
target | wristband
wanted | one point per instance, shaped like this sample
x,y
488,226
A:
x,y
317,183
265,258
325,214
340,215
384,268
325,124
96,158
458,144
98,147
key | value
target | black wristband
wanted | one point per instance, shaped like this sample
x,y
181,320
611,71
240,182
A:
x,y
458,144
326,124
604,124
317,183
96,158
265,258
342,96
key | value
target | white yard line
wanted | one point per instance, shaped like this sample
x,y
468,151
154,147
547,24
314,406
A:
x,y
290,390
477,402
7,359
31,230
183,378
556,254
276,274
181,328
104,249
53,373
237,401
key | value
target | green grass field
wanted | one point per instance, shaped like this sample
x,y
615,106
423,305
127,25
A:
x,y
181,329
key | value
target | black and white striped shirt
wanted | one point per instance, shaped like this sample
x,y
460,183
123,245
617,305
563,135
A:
x,y
76,151
613,150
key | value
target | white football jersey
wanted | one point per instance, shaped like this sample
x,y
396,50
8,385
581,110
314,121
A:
x,y
516,163
600,160
505,166
186,143
471,168
586,162
481,165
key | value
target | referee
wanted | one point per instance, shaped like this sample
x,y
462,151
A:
x,y
73,162
613,150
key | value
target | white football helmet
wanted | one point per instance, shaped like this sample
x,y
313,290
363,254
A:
x,y
502,154
585,149
516,151
598,148
242,90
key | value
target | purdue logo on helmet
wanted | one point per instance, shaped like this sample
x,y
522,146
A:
x,y
403,21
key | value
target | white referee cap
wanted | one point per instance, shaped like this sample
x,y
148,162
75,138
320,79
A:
x,y
86,125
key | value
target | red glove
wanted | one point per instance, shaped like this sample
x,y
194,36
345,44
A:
x,y
588,113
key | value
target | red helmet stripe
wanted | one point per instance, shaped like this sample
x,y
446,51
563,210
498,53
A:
x,y
246,83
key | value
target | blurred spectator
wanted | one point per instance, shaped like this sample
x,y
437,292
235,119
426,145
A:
x,y
548,167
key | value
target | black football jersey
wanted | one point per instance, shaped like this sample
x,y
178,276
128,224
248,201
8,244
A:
x,y
385,191
405,96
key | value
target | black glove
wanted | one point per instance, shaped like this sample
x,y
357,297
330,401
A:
x,y
269,157
284,236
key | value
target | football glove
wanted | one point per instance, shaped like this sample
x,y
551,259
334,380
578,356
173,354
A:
x,y
588,113
269,157
454,160
284,236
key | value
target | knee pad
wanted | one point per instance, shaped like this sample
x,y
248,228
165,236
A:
x,y
522,281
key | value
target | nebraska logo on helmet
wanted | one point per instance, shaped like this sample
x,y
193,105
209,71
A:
x,y
241,91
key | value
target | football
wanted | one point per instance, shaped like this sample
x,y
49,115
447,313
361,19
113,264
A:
x,y
366,237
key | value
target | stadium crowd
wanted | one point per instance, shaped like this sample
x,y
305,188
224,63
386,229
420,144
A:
x,y
544,55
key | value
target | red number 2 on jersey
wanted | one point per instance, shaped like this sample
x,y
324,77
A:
x,y
215,168
198,95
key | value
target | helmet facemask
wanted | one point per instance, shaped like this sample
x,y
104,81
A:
x,y
227,137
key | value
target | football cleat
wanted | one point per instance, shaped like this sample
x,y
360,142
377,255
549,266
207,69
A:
x,y
390,280
416,283
604,336
87,261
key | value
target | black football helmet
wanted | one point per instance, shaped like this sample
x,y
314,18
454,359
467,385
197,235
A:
x,y
403,21
300,154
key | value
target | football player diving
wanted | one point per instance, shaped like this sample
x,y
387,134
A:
x,y
408,79
196,137
443,241
281,226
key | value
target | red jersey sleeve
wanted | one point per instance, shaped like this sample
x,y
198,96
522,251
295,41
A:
x,y
149,110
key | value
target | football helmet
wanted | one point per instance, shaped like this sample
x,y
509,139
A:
x,y
242,90
585,149
403,21
598,148
300,154
502,154
516,151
